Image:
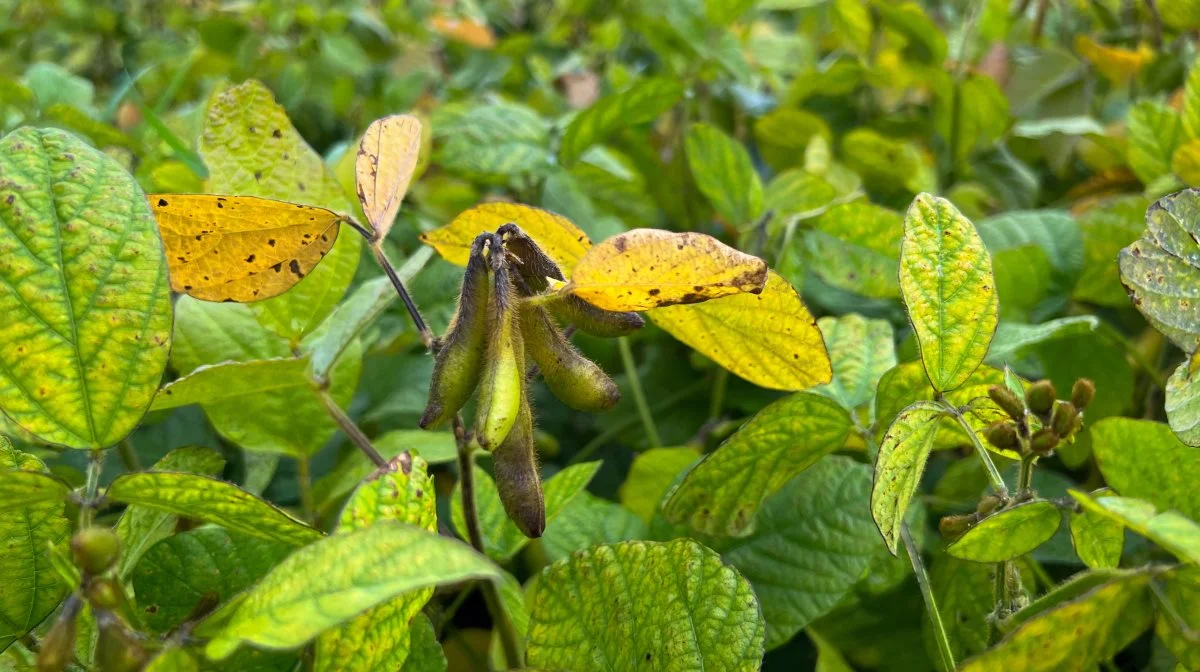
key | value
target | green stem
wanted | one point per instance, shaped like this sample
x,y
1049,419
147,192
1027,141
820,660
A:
x,y
1025,479
91,486
720,383
639,397
980,450
1000,597
351,430
304,477
935,617
128,455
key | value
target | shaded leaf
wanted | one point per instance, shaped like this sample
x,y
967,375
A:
x,y
724,174
856,246
1107,227
1181,590
1154,134
1008,534
1097,538
639,104
651,475
964,592
861,351
588,521
899,465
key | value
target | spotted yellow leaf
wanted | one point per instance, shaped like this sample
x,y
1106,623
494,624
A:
x,y
555,234
240,248
387,157
649,268
770,339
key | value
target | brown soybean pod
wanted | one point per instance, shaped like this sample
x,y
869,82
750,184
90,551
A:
x,y
518,480
578,381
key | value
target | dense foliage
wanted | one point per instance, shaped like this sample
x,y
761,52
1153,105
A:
x,y
913,385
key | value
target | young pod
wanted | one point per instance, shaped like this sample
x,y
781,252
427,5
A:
x,y
953,527
118,650
1002,435
503,381
578,381
518,480
456,371
592,320
1007,401
58,647
1063,419
1040,397
1082,393
1043,441
95,549
532,264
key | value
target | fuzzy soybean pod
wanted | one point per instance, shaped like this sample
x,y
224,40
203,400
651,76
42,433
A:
x,y
503,380
592,320
532,264
456,371
578,381
518,480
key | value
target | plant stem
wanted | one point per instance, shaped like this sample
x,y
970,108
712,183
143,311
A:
x,y
304,476
466,482
91,486
980,450
935,617
618,427
128,455
418,321
1025,479
351,430
639,397
720,382
1000,597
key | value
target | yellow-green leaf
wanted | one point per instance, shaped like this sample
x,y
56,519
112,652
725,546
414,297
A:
x,y
721,495
387,158
210,500
946,279
1144,459
1170,529
1183,402
328,582
649,268
644,605
856,246
861,351
1154,133
769,338
1097,538
83,291
1008,534
637,105
1117,64
1185,163
20,489
724,173
555,234
899,466
651,475
1181,590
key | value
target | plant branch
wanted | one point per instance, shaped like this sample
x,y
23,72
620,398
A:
x,y
935,617
351,430
466,482
87,508
409,304
639,397
980,450
1000,598
1025,479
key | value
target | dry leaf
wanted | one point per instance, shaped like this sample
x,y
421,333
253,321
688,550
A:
x,y
387,157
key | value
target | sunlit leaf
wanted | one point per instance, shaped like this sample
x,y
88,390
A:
x,y
1154,134
1169,529
722,494
649,268
1007,534
899,466
387,157
723,172
621,607
1185,163
555,234
946,279
83,290
769,338
22,489
1189,114
856,246
1161,469
639,104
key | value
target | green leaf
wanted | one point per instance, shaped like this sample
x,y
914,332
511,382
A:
x,y
83,290
979,124
723,492
236,382
330,581
1055,232
1161,270
432,447
861,350
1154,134
178,572
1023,278
1181,590
783,134
379,638
651,476
852,24
588,521
1181,15
1013,340
1183,404
1008,534
1097,539
501,537
1189,114
812,546
32,589
627,606
946,279
1107,227
21,489
899,465
797,193
856,246
300,310
891,166
1169,529
353,316
725,175
214,333
637,105
210,500
426,654
1077,633
173,658
1144,459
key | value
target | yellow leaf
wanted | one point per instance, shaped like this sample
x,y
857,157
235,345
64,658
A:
x,y
1186,163
467,31
240,248
387,157
770,339
649,268
557,236
1117,64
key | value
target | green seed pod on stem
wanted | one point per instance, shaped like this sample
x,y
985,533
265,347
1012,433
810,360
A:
x,y
518,480
953,527
456,371
117,650
1082,393
1002,435
1040,397
1007,401
1043,441
503,382
592,320
58,646
578,381
1063,419
95,549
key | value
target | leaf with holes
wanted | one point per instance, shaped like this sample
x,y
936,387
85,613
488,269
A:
x,y
83,290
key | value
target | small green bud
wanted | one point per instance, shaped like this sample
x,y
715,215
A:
x,y
988,504
1040,397
953,527
1082,393
1063,420
58,647
1007,401
104,593
1043,441
95,549
1002,435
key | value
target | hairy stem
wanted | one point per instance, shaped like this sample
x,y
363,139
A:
x,y
935,617
1000,597
91,486
993,473
1025,479
351,430
639,397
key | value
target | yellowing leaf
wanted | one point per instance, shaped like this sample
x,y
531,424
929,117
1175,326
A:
x,y
899,466
555,234
467,31
946,279
649,268
1117,64
387,157
1186,163
240,248
769,339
